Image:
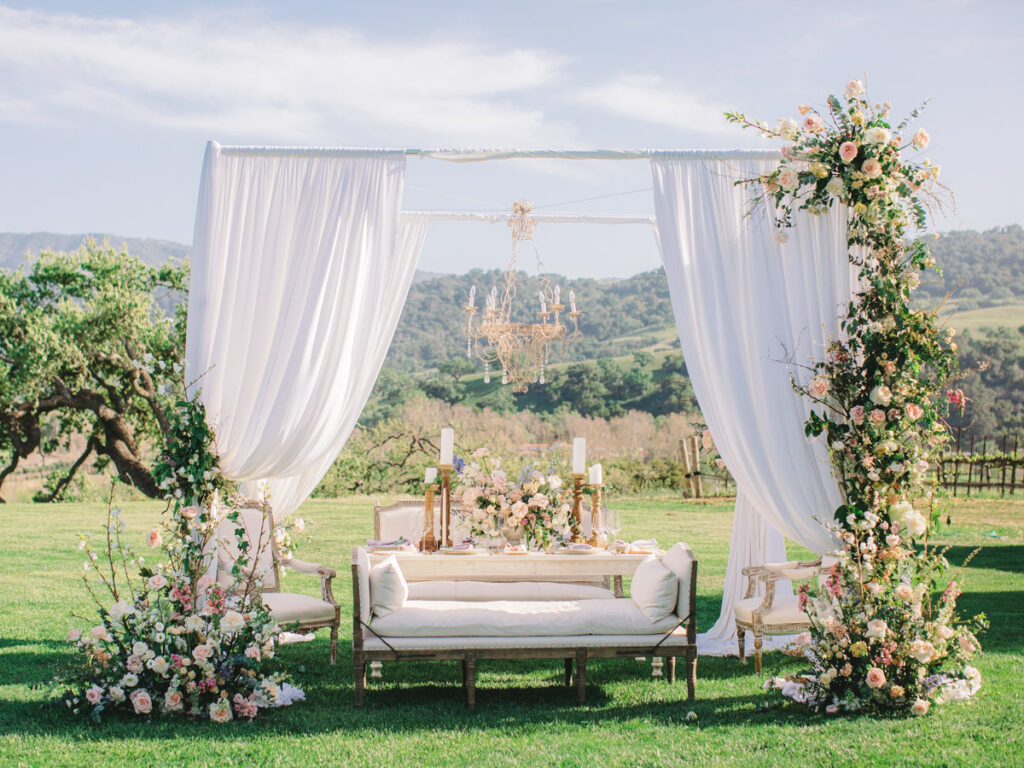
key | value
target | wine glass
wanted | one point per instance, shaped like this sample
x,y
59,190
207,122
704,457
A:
x,y
612,519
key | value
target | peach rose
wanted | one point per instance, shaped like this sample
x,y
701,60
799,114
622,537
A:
x,y
914,411
154,538
922,650
877,416
889,366
789,179
141,702
202,652
875,678
220,711
173,701
189,512
920,707
819,387
813,123
847,151
871,168
921,138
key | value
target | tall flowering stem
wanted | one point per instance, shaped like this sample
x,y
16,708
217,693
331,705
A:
x,y
879,641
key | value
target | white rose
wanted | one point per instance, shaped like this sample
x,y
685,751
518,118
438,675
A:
x,y
922,650
904,591
120,609
876,629
876,135
881,395
232,622
916,523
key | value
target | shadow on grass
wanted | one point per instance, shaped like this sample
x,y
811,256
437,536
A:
x,y
23,663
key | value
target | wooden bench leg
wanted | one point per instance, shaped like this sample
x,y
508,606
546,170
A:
x,y
360,680
464,673
581,675
691,673
568,672
671,663
741,637
334,645
757,652
470,663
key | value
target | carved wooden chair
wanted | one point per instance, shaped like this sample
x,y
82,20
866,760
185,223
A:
x,y
403,518
301,613
773,614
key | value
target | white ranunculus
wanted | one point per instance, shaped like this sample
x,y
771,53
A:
x,y
835,186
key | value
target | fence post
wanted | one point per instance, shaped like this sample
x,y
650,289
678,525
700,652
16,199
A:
x,y
698,484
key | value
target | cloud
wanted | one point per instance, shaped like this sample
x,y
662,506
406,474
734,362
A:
x,y
269,81
650,98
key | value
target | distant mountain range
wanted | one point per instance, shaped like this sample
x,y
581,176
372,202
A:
x,y
14,246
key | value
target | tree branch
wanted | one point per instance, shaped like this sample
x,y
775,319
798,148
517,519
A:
x,y
90,446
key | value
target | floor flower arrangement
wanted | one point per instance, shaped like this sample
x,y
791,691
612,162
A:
x,y
885,631
173,638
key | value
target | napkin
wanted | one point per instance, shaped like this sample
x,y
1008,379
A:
x,y
401,541
515,549
580,547
638,547
463,545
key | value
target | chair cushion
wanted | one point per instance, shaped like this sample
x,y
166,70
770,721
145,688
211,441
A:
x,y
785,610
477,591
679,559
654,589
287,607
388,590
513,618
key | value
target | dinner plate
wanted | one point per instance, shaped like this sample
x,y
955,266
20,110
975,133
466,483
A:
x,y
593,551
463,551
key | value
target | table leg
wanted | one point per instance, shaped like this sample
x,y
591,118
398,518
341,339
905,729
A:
x,y
581,675
470,681
568,672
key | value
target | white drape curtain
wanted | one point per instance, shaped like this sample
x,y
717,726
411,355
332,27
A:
x,y
751,312
300,268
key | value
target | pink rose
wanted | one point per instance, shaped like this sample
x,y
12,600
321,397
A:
x,y
921,138
99,632
539,500
154,538
877,416
875,678
93,695
914,411
157,581
519,510
857,414
813,123
831,709
74,635
252,652
847,151
141,702
204,583
189,512
871,168
134,663
202,652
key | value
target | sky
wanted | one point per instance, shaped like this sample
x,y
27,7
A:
x,y
106,108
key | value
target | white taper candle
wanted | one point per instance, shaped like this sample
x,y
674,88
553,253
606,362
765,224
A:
x,y
579,455
447,445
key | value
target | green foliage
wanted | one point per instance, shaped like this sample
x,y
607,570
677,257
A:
x,y
979,269
994,363
84,349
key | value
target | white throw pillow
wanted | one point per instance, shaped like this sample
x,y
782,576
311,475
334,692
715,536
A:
x,y
654,589
388,589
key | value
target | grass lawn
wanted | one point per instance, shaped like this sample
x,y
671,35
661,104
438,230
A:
x,y
416,715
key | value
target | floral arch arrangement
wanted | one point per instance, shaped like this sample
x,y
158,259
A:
x,y
885,634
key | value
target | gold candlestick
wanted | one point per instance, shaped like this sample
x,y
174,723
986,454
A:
x,y
595,514
577,507
429,541
446,503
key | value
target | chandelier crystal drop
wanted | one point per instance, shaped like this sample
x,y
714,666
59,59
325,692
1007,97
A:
x,y
521,350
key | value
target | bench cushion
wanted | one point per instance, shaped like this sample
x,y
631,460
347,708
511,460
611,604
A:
x,y
675,640
509,618
478,591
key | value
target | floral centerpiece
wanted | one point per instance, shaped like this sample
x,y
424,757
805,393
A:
x,y
538,508
171,639
880,639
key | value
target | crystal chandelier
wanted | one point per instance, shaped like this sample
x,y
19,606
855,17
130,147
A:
x,y
521,350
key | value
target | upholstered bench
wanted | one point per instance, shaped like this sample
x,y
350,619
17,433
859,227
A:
x,y
474,621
